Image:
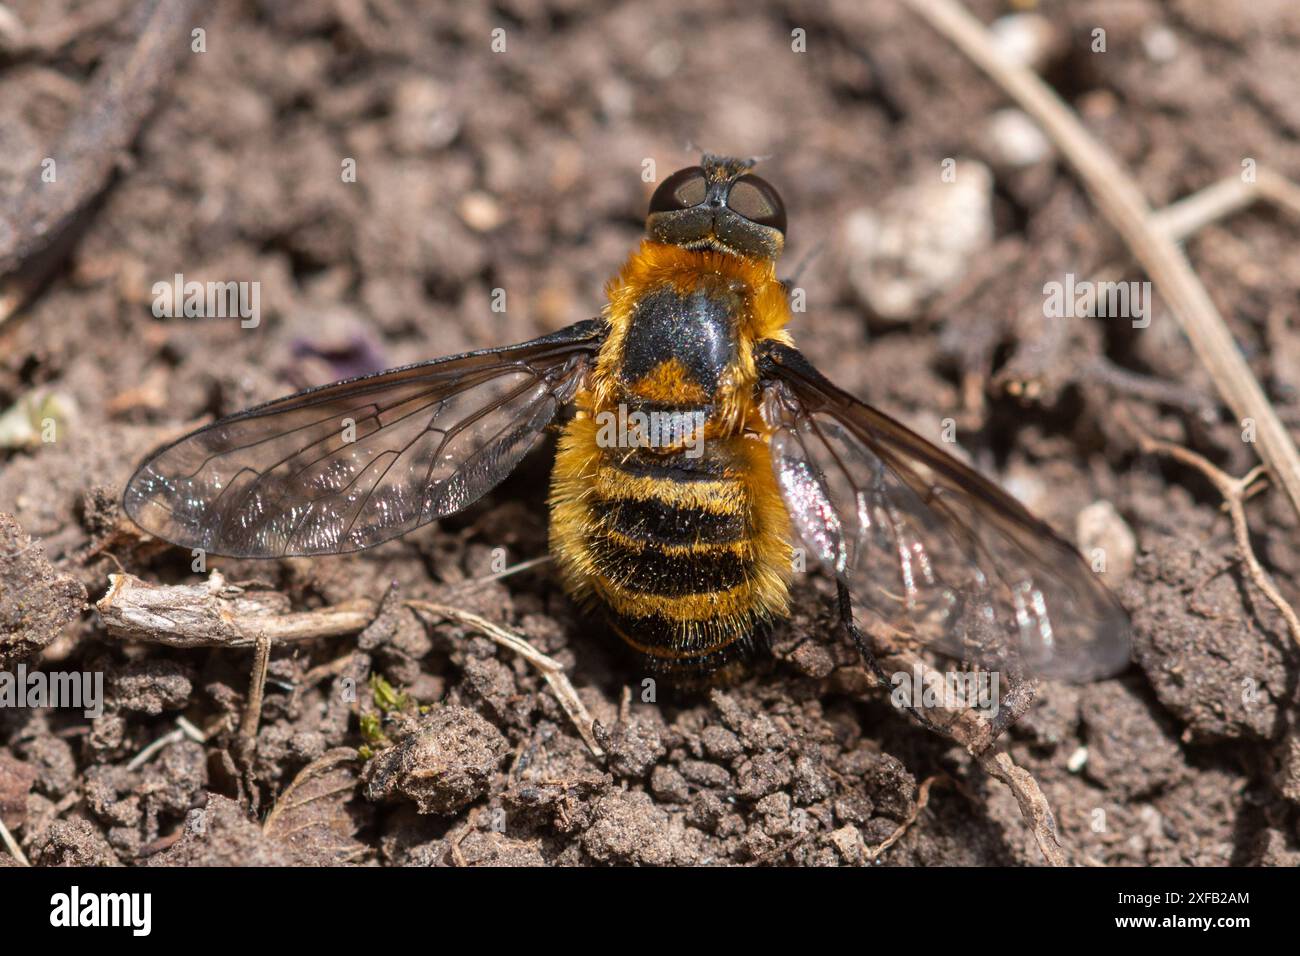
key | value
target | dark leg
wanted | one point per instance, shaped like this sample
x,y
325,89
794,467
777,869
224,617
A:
x,y
868,656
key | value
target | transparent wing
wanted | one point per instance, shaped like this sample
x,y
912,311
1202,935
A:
x,y
930,550
349,465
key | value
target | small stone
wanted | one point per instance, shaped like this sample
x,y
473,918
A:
x,y
1026,39
921,239
13,35
1159,43
1077,760
848,842
480,212
1014,140
426,119
1105,539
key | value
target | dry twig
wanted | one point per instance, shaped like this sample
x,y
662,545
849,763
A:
x,y
549,667
118,99
245,748
1121,202
1179,221
183,729
217,614
976,734
457,857
922,800
1191,214
1235,491
1033,804
8,839
514,569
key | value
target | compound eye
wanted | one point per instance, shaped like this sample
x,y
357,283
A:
x,y
682,190
757,201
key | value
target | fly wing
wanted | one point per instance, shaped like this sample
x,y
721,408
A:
x,y
930,550
349,465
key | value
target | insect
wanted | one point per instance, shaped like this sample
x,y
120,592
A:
x,y
701,456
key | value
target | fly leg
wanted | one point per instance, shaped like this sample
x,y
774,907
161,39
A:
x,y
869,657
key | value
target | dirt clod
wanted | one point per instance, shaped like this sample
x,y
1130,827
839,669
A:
x,y
36,601
1214,660
1131,750
16,779
631,747
74,841
444,763
220,833
630,828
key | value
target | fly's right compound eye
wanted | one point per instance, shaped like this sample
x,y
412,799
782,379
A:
x,y
758,201
682,190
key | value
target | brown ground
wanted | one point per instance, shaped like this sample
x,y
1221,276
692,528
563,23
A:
x,y
521,170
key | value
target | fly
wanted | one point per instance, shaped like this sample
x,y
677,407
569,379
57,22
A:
x,y
699,450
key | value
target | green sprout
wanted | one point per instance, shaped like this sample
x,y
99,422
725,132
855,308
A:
x,y
387,697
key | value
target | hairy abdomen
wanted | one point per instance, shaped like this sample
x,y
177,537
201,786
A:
x,y
688,555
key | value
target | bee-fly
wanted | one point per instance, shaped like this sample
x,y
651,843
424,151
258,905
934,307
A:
x,y
702,457
682,535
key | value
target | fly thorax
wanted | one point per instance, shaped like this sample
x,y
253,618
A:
x,y
676,361
678,346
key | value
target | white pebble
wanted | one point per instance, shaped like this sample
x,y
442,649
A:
x,y
921,239
1106,540
1027,39
1159,43
1015,140
1077,760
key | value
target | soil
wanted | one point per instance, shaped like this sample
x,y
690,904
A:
x,y
522,170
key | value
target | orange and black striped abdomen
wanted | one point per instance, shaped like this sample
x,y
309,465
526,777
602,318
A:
x,y
678,530
688,555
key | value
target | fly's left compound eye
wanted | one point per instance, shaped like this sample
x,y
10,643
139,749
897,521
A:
x,y
682,190
757,201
